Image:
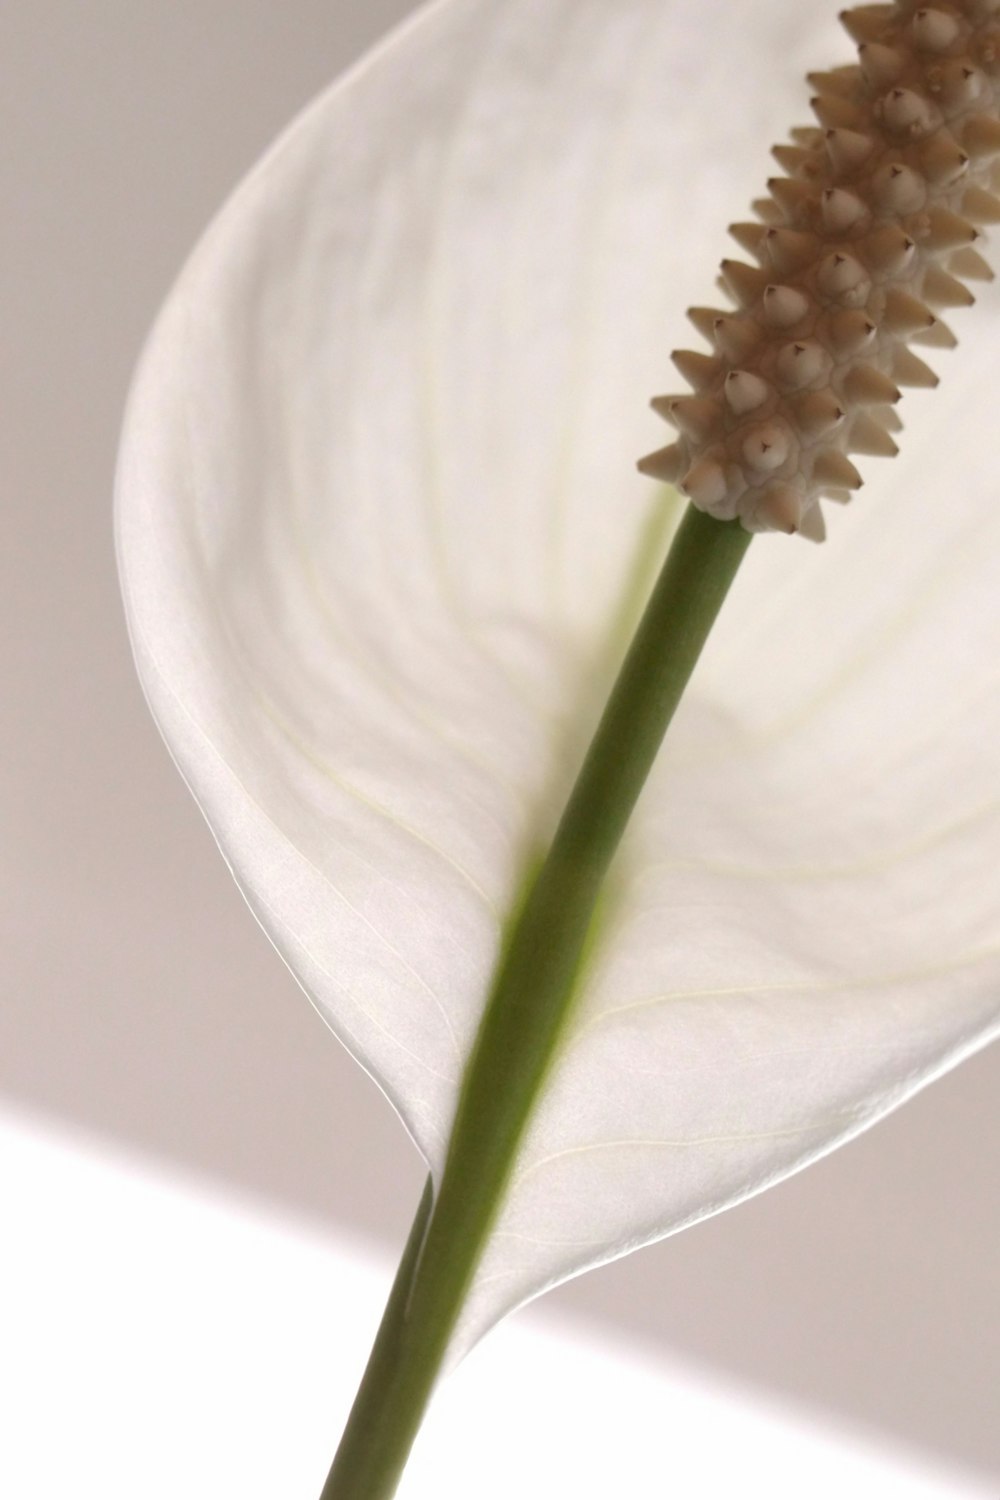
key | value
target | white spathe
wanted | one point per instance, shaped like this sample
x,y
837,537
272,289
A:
x,y
379,527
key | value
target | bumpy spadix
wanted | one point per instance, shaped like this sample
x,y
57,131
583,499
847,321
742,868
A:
x,y
869,235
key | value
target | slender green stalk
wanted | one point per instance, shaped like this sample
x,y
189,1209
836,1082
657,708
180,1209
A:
x,y
527,1010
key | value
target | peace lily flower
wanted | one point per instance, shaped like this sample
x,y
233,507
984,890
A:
x,y
383,547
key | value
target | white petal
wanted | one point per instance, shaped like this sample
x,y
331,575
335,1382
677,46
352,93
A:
x,y
377,517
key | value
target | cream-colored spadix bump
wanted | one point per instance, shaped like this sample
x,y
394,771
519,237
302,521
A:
x,y
904,315
699,370
934,30
745,283
866,23
817,414
889,251
705,319
793,197
844,278
848,149
940,229
793,159
942,290
705,483
810,136
748,235
867,435
937,336
697,417
980,206
779,508
908,113
736,337
812,525
834,109
789,249
958,86
801,363
843,81
880,65
765,448
865,385
981,136
942,161
744,391
842,210
909,369
767,209
665,464
850,331
970,266
897,189
831,467
784,306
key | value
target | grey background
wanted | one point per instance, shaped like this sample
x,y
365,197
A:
x,y
139,1000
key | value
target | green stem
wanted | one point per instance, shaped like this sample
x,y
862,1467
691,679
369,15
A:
x,y
527,1010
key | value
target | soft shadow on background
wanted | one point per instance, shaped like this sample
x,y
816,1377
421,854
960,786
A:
x,y
139,999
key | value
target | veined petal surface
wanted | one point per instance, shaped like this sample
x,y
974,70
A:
x,y
380,534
